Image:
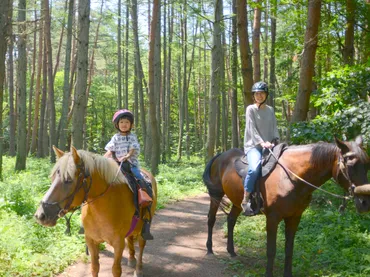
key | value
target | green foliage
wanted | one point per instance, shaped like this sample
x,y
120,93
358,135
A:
x,y
327,243
344,112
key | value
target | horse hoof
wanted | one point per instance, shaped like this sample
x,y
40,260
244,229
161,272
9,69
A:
x,y
233,254
136,274
131,263
210,252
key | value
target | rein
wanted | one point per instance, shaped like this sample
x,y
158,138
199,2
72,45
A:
x,y
342,168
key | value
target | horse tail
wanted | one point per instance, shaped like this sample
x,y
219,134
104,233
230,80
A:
x,y
213,190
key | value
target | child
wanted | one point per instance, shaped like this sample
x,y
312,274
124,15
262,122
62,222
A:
x,y
124,146
260,132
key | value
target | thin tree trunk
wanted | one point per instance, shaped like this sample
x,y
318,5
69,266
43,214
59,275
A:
x,y
349,49
82,68
20,163
12,110
272,55
215,79
155,155
234,69
308,61
256,42
40,143
245,52
119,58
5,21
164,91
126,55
63,127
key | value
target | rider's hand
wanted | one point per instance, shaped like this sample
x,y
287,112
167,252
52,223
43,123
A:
x,y
124,158
267,145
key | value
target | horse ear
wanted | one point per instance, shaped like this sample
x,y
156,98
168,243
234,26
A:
x,y
75,155
59,153
359,141
341,145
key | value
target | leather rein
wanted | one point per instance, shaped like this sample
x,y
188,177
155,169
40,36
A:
x,y
342,167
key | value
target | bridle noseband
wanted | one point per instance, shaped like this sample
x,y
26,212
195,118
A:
x,y
343,168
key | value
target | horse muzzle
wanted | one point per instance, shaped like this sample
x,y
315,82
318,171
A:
x,y
362,198
47,214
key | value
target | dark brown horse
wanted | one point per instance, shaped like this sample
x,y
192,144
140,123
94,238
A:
x,y
84,178
286,196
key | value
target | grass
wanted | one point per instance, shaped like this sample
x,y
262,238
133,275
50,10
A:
x,y
28,249
327,243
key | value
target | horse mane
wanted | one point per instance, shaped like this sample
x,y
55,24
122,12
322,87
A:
x,y
323,153
106,168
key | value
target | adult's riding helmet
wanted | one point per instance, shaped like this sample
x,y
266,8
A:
x,y
260,86
123,114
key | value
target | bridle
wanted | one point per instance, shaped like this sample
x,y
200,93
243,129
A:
x,y
84,181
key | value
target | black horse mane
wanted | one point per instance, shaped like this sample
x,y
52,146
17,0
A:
x,y
323,153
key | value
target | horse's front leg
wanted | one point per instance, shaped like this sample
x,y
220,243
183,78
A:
x,y
271,228
118,246
291,226
139,264
213,207
94,254
231,221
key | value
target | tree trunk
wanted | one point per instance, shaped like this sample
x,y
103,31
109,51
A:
x,y
164,90
308,61
119,58
51,102
40,143
5,22
20,163
234,69
349,49
245,52
155,155
215,79
63,130
126,55
256,42
82,67
12,110
272,55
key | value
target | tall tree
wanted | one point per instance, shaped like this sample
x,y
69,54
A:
x,y
349,37
119,57
155,155
272,54
20,163
51,102
256,42
12,109
214,91
5,5
245,52
80,101
308,61
66,85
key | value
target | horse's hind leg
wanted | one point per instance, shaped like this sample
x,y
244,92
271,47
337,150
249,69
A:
x,y
94,254
213,208
139,264
231,221
131,262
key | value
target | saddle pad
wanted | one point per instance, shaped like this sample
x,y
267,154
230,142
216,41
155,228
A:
x,y
268,161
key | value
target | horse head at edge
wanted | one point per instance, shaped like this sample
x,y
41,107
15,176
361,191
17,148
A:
x,y
353,165
68,190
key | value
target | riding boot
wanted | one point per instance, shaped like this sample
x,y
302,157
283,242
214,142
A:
x,y
246,205
145,232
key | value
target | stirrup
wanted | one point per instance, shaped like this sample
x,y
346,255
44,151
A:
x,y
145,232
247,209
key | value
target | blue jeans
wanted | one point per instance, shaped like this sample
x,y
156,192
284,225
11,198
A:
x,y
254,157
136,171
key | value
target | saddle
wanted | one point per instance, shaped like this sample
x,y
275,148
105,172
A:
x,y
268,164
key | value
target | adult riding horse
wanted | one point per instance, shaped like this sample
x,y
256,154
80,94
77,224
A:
x,y
285,195
82,178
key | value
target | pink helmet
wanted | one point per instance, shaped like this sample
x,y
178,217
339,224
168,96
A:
x,y
123,113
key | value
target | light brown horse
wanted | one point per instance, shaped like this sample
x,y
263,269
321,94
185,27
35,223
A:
x,y
82,178
286,196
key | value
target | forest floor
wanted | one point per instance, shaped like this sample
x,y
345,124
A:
x,y
178,248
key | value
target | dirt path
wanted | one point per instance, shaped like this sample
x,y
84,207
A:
x,y
178,248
